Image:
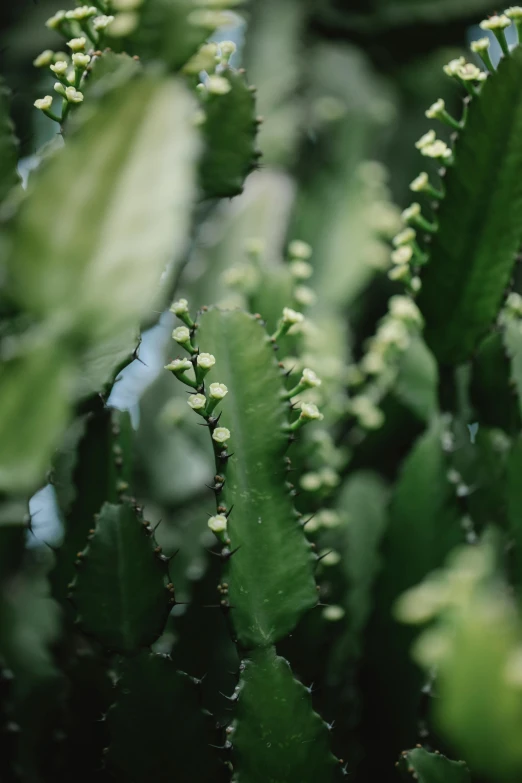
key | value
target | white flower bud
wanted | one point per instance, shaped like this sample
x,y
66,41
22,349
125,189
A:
x,y
218,391
310,412
291,316
393,333
330,558
330,477
77,44
405,309
59,68
305,296
436,109
121,25
333,613
59,88
404,237
221,435
80,60
205,59
469,72
299,250
218,85
402,255
71,76
206,361
452,67
311,482
515,12
301,270
329,518
44,103
480,46
197,401
179,365
228,48
496,22
180,307
399,272
181,335
73,95
420,183
218,523
102,22
309,378
44,59
55,21
411,212
416,284
437,150
428,138
81,13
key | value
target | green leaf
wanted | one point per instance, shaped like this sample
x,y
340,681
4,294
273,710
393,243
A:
x,y
416,385
432,767
230,130
512,336
85,475
156,727
107,213
473,254
424,525
120,591
514,505
270,577
277,736
490,391
34,408
8,147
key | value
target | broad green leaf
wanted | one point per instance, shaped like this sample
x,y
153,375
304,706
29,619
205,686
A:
x,y
492,398
158,707
270,577
108,212
34,407
120,592
432,767
277,736
230,130
512,336
473,253
424,525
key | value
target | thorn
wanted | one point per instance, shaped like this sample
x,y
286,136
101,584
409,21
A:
x,y
309,519
230,553
320,557
227,513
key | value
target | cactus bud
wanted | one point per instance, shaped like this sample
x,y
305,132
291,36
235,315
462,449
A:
x,y
76,44
221,435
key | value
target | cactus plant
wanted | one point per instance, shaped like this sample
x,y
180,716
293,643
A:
x,y
237,602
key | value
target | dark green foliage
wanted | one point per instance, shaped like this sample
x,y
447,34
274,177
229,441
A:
x,y
277,737
472,256
230,130
432,767
120,592
490,391
156,727
8,146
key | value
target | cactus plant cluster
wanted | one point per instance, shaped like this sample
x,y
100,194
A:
x,y
237,586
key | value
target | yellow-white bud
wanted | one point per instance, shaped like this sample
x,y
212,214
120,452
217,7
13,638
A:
x,y
301,270
310,412
402,255
221,435
180,307
205,59
404,237
453,66
405,309
218,523
120,25
44,59
437,150
428,138
480,46
299,250
218,391
81,13
44,103
206,361
496,22
309,378
102,22
411,212
515,12
59,88
197,402
80,60
329,518
469,72
179,365
399,272
55,21
73,95
228,48
218,85
333,613
181,335
436,109
420,183
59,68
311,482
291,316
305,296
